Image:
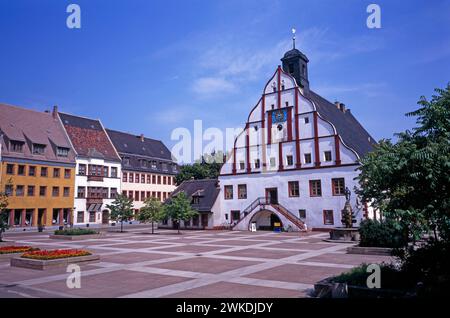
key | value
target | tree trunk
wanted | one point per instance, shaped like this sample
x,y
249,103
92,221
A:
x,y
153,231
178,227
121,226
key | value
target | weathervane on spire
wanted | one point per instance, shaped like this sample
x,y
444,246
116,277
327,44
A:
x,y
293,37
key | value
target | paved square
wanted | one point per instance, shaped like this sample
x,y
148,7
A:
x,y
193,264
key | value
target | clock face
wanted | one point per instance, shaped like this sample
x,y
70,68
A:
x,y
279,116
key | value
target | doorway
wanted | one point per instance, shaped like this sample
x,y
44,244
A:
x,y
272,195
105,217
204,220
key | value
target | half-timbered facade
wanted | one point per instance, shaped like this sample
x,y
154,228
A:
x,y
294,159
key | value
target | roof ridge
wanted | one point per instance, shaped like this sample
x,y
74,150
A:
x,y
26,109
130,134
84,117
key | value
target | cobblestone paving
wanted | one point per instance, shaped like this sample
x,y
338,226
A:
x,y
193,264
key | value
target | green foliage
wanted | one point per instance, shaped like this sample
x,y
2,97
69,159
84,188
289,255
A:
x,y
152,211
3,214
179,208
381,234
206,168
121,209
409,181
76,231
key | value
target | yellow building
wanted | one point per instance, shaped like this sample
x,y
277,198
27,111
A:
x,y
37,168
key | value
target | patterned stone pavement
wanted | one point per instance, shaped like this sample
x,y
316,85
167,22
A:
x,y
193,264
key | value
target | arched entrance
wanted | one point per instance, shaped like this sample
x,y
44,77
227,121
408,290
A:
x,y
265,220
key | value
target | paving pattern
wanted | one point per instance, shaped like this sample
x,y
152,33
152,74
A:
x,y
193,264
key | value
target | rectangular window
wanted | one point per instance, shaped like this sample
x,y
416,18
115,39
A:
x,y
80,217
105,171
196,200
142,195
42,191
62,152
114,193
338,185
30,191
242,191
159,179
153,179
104,193
235,215
44,171
55,191
82,170
164,180
67,173
272,162
9,168
20,190
31,171
315,188
91,217
328,218
195,220
169,180
142,178
257,164
294,189
56,172
81,192
306,120
149,179
290,160
307,158
136,178
113,172
228,191
124,176
126,161
302,214
136,195
9,189
130,194
66,191
16,146
327,155
242,165
38,149
21,170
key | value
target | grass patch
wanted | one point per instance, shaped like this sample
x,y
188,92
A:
x,y
78,231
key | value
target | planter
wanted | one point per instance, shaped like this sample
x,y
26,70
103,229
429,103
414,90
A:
x,y
386,251
76,237
344,234
45,264
327,289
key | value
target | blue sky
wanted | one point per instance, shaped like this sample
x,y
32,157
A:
x,y
151,66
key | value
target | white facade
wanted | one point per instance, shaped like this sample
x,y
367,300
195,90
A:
x,y
287,140
91,198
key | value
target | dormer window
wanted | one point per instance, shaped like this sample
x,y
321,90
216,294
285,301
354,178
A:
x,y
174,168
38,149
153,164
164,166
144,163
126,161
62,152
196,200
16,146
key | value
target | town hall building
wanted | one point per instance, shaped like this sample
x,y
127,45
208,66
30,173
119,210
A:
x,y
293,162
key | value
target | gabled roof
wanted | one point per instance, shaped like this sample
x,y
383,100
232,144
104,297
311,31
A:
x,y
206,189
352,132
33,127
88,137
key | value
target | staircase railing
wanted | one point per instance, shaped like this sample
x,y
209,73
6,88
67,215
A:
x,y
259,201
289,215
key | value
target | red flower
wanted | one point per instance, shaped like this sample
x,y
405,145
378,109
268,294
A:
x,y
55,254
16,249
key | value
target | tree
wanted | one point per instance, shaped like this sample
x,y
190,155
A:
x,y
207,167
179,208
409,181
152,211
121,209
3,214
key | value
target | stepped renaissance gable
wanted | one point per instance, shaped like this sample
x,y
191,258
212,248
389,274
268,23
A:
x,y
295,158
147,167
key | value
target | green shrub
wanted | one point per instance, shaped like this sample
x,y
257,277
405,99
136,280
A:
x,y
77,231
381,234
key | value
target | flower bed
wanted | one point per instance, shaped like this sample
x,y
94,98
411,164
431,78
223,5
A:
x,y
55,254
16,249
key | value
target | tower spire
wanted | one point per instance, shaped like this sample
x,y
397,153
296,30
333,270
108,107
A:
x,y
293,37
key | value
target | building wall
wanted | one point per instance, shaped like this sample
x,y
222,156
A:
x,y
107,182
35,202
314,206
154,189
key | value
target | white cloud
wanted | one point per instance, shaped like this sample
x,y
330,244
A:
x,y
212,86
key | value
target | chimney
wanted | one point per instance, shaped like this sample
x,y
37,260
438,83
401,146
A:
x,y
338,104
342,107
55,112
142,137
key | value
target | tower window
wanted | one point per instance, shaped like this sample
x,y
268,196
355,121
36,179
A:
x,y
327,155
290,160
291,68
306,120
307,158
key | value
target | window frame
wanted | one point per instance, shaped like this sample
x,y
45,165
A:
x,y
291,188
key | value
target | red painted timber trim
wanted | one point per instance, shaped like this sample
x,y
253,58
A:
x,y
269,128
298,163
279,85
316,141
280,156
337,150
234,160
289,124
247,146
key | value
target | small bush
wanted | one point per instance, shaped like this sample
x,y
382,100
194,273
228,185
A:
x,y
381,234
75,232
